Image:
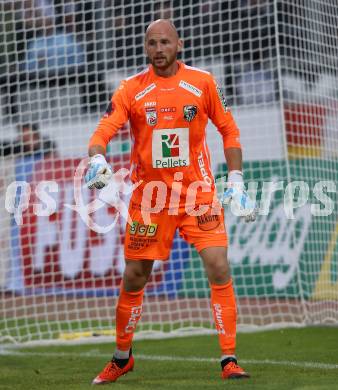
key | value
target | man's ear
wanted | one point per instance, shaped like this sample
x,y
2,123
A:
x,y
179,45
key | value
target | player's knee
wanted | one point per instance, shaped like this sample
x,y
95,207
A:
x,y
134,279
134,282
219,274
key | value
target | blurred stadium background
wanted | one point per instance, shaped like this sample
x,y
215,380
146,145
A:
x,y
61,60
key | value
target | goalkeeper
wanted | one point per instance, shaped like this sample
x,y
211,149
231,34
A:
x,y
168,106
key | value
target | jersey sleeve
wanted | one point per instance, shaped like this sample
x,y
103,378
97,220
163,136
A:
x,y
116,115
221,116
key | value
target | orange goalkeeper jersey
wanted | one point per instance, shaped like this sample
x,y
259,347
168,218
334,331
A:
x,y
168,119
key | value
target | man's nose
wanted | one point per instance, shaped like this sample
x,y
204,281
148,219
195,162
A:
x,y
159,48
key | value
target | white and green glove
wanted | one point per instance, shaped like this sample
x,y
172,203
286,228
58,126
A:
x,y
99,172
237,198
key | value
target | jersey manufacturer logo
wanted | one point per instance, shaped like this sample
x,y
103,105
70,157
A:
x,y
170,148
146,90
191,88
189,112
222,98
151,116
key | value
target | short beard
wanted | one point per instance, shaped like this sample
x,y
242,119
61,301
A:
x,y
166,65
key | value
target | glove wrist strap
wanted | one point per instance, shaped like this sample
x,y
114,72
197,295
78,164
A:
x,y
98,158
235,177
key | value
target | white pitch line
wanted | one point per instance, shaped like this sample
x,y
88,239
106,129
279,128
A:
x,y
325,366
96,354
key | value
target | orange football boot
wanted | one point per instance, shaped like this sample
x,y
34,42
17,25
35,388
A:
x,y
112,372
231,370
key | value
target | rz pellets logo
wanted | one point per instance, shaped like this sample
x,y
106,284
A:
x,y
170,148
170,145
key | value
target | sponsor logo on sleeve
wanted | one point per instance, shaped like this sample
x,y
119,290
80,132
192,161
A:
x,y
145,91
189,112
170,148
222,98
191,88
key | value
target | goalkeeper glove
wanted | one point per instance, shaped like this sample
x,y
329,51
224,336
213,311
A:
x,y
99,172
236,196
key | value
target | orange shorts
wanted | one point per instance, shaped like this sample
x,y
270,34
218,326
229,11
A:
x,y
153,241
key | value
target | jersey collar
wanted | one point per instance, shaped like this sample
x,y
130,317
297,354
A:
x,y
159,78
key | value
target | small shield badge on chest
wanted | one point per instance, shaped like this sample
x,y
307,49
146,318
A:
x,y
151,116
189,112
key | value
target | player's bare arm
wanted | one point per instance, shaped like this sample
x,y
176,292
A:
x,y
233,158
96,149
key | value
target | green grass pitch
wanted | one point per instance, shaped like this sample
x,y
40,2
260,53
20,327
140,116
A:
x,y
302,359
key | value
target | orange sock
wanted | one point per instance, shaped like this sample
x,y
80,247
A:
x,y
224,310
128,313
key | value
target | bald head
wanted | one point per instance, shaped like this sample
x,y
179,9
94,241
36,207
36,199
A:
x,y
162,26
161,46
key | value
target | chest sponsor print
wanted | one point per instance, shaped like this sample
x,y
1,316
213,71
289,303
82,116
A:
x,y
168,113
164,110
170,148
146,90
190,88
